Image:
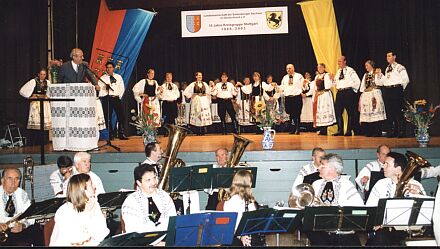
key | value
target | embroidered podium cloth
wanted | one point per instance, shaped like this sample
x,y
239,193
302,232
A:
x,y
74,123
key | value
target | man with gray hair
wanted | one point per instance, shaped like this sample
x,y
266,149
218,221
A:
x,y
334,190
82,164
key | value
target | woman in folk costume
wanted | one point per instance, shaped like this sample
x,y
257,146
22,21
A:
x,y
271,90
146,93
322,99
239,198
244,98
371,105
200,94
258,95
307,110
36,88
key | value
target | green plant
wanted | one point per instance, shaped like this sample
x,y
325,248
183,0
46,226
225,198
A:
x,y
420,113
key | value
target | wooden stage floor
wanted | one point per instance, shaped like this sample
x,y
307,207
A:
x,y
283,141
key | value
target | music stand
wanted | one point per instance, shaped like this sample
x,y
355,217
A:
x,y
43,210
222,177
203,229
112,200
42,100
108,142
405,212
269,220
196,177
133,239
339,219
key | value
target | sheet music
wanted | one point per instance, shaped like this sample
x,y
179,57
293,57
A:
x,y
397,212
425,215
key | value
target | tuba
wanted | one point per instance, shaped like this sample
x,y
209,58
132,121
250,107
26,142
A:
x,y
303,196
176,136
238,148
415,163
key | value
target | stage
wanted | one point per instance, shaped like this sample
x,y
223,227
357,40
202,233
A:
x,y
283,142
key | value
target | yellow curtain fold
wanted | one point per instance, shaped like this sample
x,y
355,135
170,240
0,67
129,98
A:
x,y
320,19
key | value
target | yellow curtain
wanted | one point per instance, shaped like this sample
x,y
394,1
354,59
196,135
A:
x,y
323,31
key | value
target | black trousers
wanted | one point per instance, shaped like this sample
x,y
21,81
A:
x,y
345,99
393,99
294,105
33,235
169,111
114,104
333,239
223,106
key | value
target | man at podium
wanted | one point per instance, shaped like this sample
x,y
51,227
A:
x,y
76,70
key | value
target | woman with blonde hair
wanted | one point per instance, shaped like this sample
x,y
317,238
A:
x,y
79,221
239,198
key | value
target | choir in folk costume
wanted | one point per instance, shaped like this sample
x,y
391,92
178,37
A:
x,y
323,107
371,105
244,97
200,94
146,93
37,87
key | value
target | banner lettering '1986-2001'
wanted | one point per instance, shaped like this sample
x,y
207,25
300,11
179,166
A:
x,y
225,22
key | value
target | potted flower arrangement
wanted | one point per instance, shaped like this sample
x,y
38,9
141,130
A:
x,y
265,115
146,123
421,115
54,68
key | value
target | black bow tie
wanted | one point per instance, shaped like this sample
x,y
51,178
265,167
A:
x,y
389,68
112,79
10,207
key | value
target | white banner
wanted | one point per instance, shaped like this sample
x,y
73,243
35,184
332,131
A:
x,y
225,22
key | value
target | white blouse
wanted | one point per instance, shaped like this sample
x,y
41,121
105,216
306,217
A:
x,y
72,228
236,204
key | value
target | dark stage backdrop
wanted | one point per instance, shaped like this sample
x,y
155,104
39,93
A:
x,y
368,29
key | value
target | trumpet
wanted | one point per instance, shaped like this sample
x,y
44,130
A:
x,y
3,234
28,175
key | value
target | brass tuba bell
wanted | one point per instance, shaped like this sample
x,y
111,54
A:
x,y
302,196
415,163
238,148
176,136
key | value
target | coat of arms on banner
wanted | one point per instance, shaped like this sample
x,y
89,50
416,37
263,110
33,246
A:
x,y
193,23
274,19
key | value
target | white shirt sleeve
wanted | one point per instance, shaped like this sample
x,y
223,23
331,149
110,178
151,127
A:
x,y
138,89
27,89
436,217
56,182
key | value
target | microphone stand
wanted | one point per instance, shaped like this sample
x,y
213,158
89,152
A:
x,y
108,143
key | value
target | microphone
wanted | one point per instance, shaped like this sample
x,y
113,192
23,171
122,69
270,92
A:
x,y
85,64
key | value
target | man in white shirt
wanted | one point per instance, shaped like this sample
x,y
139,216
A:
x,y
82,162
334,190
111,94
395,164
221,156
14,201
225,91
169,94
154,153
310,168
395,81
149,208
59,176
363,178
347,83
291,86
